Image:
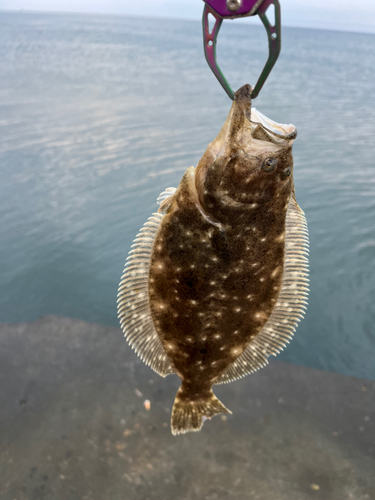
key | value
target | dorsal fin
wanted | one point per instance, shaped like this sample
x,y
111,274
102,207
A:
x,y
291,302
133,303
165,199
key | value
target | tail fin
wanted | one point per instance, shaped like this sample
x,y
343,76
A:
x,y
187,415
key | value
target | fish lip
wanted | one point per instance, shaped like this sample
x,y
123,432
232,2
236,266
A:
x,y
243,93
280,130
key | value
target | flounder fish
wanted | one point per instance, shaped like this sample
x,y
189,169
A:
x,y
217,279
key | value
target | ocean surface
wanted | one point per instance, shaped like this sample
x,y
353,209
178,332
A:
x,y
98,114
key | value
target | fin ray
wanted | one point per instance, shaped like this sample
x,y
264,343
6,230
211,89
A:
x,y
133,305
165,199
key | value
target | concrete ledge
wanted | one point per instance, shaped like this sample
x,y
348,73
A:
x,y
73,426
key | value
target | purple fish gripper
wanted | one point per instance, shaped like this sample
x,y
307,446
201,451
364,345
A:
x,y
231,9
238,8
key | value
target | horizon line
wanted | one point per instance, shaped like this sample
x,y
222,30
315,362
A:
x,y
112,14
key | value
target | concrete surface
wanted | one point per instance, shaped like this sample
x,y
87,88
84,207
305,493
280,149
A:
x,y
73,426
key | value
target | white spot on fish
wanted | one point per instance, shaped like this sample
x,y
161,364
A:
x,y
275,272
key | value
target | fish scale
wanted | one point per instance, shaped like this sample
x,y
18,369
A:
x,y
217,279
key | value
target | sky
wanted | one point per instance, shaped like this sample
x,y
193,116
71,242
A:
x,y
344,15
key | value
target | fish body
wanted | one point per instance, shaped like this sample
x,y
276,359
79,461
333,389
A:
x,y
217,279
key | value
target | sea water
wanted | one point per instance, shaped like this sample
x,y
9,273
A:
x,y
99,114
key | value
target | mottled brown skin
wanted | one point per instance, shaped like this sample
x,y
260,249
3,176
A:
x,y
218,257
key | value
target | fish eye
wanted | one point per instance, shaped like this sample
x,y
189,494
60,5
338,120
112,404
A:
x,y
269,164
286,173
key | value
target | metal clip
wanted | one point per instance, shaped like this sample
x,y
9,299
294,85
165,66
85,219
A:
x,y
231,9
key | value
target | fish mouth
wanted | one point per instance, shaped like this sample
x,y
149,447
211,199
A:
x,y
242,107
279,130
